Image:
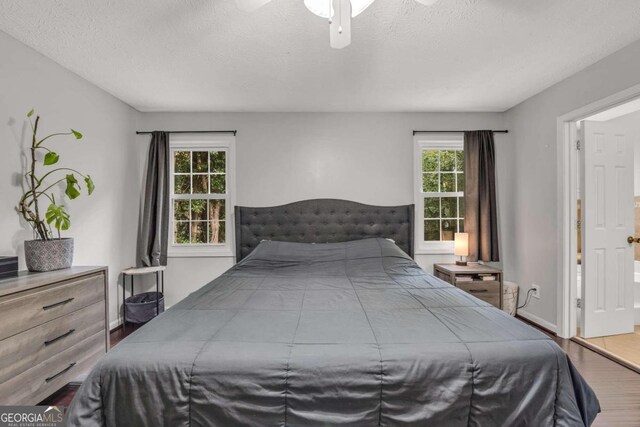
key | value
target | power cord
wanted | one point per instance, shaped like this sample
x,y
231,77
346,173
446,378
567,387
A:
x,y
527,299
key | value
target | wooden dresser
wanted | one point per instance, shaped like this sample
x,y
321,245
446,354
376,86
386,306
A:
x,y
470,278
53,329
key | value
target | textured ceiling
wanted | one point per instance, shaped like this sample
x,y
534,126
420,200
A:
x,y
206,55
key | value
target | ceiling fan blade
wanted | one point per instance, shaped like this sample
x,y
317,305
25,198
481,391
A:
x,y
340,27
427,2
250,5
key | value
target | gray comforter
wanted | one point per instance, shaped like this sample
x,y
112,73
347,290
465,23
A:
x,y
350,333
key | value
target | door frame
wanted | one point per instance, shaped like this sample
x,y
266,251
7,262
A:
x,y
567,167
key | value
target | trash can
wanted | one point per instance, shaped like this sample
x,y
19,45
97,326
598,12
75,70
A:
x,y
510,297
143,307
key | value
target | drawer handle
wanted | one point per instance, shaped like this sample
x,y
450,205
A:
x,y
52,377
478,291
66,334
47,307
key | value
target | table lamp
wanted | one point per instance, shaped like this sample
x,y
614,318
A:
x,y
461,247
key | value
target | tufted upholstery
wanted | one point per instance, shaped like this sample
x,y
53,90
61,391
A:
x,y
322,221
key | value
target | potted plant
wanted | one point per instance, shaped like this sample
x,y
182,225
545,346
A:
x,y
48,251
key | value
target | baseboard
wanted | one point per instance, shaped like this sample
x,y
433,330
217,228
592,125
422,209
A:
x,y
538,321
116,324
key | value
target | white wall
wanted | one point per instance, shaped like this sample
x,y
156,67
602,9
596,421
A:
x,y
532,242
285,157
103,225
280,158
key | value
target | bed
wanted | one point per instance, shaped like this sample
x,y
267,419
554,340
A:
x,y
327,320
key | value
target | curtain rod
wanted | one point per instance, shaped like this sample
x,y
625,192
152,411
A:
x,y
453,131
146,132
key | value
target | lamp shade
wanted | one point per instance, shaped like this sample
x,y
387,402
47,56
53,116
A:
x,y
324,8
461,244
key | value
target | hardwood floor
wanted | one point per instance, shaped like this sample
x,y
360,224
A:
x,y
62,397
617,387
625,347
121,333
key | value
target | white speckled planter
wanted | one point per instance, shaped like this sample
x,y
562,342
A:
x,y
48,255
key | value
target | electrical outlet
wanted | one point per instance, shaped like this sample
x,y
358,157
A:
x,y
536,291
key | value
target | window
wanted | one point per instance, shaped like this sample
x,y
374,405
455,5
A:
x,y
201,190
439,191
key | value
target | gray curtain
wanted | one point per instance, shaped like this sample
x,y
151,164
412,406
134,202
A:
x,y
481,215
153,233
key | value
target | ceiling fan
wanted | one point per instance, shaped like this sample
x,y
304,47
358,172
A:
x,y
338,12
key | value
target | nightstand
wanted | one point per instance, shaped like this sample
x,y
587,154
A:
x,y
479,280
145,309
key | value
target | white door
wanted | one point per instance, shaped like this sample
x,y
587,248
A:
x,y
607,221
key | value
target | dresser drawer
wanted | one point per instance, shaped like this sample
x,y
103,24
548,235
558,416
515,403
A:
x,y
22,351
488,291
443,276
22,311
33,385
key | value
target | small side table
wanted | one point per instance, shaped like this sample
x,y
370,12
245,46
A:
x,y
469,278
141,271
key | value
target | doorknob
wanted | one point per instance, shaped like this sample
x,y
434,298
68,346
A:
x,y
631,240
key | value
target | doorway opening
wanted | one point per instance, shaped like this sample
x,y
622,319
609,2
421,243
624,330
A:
x,y
607,261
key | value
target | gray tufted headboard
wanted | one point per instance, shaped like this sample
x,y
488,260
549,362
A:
x,y
322,221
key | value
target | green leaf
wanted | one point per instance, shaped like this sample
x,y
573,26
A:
x,y
77,134
58,216
30,113
90,185
51,158
73,189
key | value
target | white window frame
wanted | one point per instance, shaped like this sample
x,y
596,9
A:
x,y
205,141
430,141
